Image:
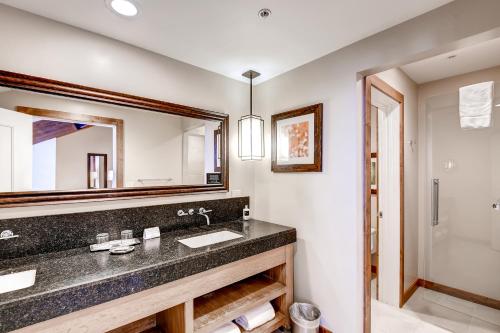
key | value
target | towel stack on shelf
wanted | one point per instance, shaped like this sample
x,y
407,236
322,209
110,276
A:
x,y
256,317
250,320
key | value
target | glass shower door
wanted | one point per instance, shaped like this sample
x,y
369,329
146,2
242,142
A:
x,y
463,182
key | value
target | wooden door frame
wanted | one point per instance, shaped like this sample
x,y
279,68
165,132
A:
x,y
369,82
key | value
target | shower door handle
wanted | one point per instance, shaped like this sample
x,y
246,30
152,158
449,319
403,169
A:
x,y
435,202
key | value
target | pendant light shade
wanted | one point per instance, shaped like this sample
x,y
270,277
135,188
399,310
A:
x,y
251,138
251,130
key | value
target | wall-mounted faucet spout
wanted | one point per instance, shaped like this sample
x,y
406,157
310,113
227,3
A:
x,y
202,211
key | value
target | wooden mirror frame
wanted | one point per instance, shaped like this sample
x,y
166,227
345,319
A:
x,y
59,88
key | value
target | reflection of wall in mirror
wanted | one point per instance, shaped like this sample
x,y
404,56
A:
x,y
198,150
44,162
71,163
153,149
15,151
61,163
193,155
145,157
153,141
210,128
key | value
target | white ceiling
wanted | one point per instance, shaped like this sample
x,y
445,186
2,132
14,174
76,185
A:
x,y
227,36
470,59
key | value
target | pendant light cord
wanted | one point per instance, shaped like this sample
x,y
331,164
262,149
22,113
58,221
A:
x,y
251,110
251,94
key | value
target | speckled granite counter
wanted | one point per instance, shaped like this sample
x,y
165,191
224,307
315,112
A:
x,y
75,279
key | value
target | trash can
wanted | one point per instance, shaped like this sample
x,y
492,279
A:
x,y
305,318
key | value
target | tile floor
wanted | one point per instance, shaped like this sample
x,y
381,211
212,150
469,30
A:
x,y
433,312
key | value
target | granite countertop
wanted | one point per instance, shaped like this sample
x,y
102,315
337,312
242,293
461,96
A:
x,y
75,279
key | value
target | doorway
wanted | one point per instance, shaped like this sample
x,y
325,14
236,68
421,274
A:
x,y
386,190
449,242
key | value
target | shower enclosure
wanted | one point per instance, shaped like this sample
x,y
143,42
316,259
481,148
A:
x,y
461,201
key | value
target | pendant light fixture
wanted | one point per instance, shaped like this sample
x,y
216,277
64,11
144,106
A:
x,y
251,129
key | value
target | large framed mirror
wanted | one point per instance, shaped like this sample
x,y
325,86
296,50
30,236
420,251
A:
x,y
65,142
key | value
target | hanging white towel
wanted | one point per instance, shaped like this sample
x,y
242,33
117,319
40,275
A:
x,y
227,328
476,105
256,317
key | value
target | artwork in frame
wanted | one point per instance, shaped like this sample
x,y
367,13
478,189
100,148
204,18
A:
x,y
297,140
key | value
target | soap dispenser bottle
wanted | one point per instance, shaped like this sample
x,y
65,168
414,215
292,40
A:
x,y
246,213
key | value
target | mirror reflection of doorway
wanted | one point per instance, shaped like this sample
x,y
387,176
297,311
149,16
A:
x,y
97,171
217,151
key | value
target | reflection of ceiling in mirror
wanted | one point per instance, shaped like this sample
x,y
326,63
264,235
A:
x,y
44,130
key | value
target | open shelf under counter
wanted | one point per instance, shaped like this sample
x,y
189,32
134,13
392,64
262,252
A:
x,y
226,304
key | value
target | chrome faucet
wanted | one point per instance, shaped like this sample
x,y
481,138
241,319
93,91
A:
x,y
203,212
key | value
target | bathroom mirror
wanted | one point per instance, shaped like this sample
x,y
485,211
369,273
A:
x,y
60,141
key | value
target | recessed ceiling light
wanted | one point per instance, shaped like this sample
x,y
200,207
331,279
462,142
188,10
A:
x,y
123,7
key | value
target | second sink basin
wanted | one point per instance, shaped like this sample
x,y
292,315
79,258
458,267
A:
x,y
16,281
209,239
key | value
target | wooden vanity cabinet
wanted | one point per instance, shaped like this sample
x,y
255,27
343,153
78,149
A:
x,y
196,304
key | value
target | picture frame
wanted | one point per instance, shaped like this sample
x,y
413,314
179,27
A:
x,y
297,140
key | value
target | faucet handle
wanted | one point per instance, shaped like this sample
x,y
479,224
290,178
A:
x,y
203,210
180,212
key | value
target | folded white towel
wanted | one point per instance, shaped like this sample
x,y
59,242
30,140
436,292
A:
x,y
476,105
227,328
256,317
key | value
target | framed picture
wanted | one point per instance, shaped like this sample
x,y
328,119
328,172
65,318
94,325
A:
x,y
297,140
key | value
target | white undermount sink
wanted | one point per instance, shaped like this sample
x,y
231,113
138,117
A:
x,y
209,239
16,281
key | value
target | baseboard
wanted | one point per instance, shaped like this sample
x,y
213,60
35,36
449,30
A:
x,y
323,329
465,295
410,291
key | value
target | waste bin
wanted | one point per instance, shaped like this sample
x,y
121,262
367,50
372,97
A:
x,y
305,318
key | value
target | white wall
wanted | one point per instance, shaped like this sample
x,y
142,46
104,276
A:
x,y
152,147
44,162
71,157
49,49
20,149
327,208
401,82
